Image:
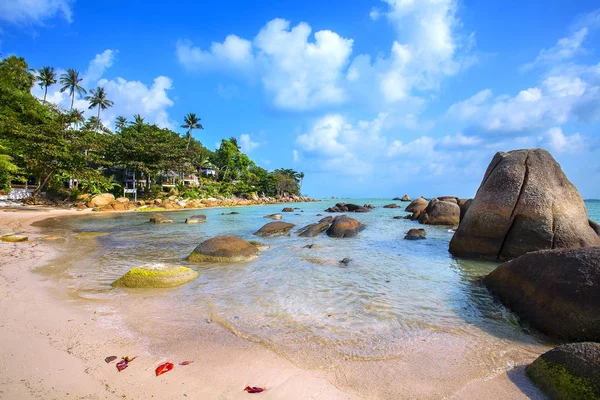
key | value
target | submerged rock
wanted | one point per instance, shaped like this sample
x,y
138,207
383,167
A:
x,y
415,234
273,216
391,206
276,228
343,207
231,213
439,212
156,276
344,227
259,245
570,371
160,219
556,291
196,219
524,203
287,209
345,261
223,249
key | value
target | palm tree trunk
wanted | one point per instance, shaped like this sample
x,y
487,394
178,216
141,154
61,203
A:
x,y
189,138
72,100
45,93
98,123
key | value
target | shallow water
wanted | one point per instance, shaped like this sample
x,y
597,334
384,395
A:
x,y
303,303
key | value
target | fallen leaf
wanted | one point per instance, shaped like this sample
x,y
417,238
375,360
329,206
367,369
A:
x,y
166,367
110,359
186,363
121,365
254,389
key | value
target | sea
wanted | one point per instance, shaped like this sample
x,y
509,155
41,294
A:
x,y
393,295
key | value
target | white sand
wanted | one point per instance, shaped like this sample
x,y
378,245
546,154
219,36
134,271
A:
x,y
53,346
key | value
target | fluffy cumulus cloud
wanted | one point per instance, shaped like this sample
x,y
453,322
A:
x,y
556,141
32,12
302,71
129,97
299,71
247,144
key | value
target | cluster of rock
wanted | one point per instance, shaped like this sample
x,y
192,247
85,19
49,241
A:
x,y
403,198
343,207
107,202
527,213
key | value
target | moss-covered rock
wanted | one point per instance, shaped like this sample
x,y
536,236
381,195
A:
x,y
570,371
14,238
156,276
223,249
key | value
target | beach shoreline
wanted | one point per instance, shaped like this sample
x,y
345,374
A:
x,y
54,348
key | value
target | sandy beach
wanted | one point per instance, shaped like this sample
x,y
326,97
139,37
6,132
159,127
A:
x,y
54,346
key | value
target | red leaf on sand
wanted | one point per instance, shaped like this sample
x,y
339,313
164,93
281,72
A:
x,y
186,363
121,365
166,367
254,389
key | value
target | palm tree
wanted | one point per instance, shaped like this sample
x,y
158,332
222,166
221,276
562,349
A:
x,y
97,98
46,77
191,122
76,117
301,177
120,122
71,81
138,121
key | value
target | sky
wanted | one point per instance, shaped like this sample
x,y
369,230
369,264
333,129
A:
x,y
374,98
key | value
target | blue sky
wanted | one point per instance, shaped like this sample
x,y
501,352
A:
x,y
375,98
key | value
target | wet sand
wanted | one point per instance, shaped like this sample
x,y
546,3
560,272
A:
x,y
54,345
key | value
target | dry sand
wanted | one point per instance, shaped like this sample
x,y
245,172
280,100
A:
x,y
53,347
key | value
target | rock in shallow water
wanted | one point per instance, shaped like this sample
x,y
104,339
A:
x,y
416,207
315,229
156,276
273,216
570,371
556,291
415,234
276,228
440,212
344,227
223,249
524,203
196,219
160,219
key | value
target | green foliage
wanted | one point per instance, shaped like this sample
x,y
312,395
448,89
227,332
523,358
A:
x,y
39,140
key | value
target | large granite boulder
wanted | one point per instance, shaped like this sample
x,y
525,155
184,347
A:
x,y
416,234
223,249
101,200
440,212
464,205
570,371
525,203
416,207
595,226
344,227
196,219
156,276
556,291
275,228
313,230
160,219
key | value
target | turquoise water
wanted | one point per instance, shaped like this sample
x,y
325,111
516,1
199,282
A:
x,y
302,302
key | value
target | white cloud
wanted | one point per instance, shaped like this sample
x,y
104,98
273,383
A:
x,y
298,72
234,52
558,99
295,155
247,144
556,141
32,12
129,97
565,49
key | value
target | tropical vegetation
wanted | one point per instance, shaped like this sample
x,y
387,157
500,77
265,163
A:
x,y
52,147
